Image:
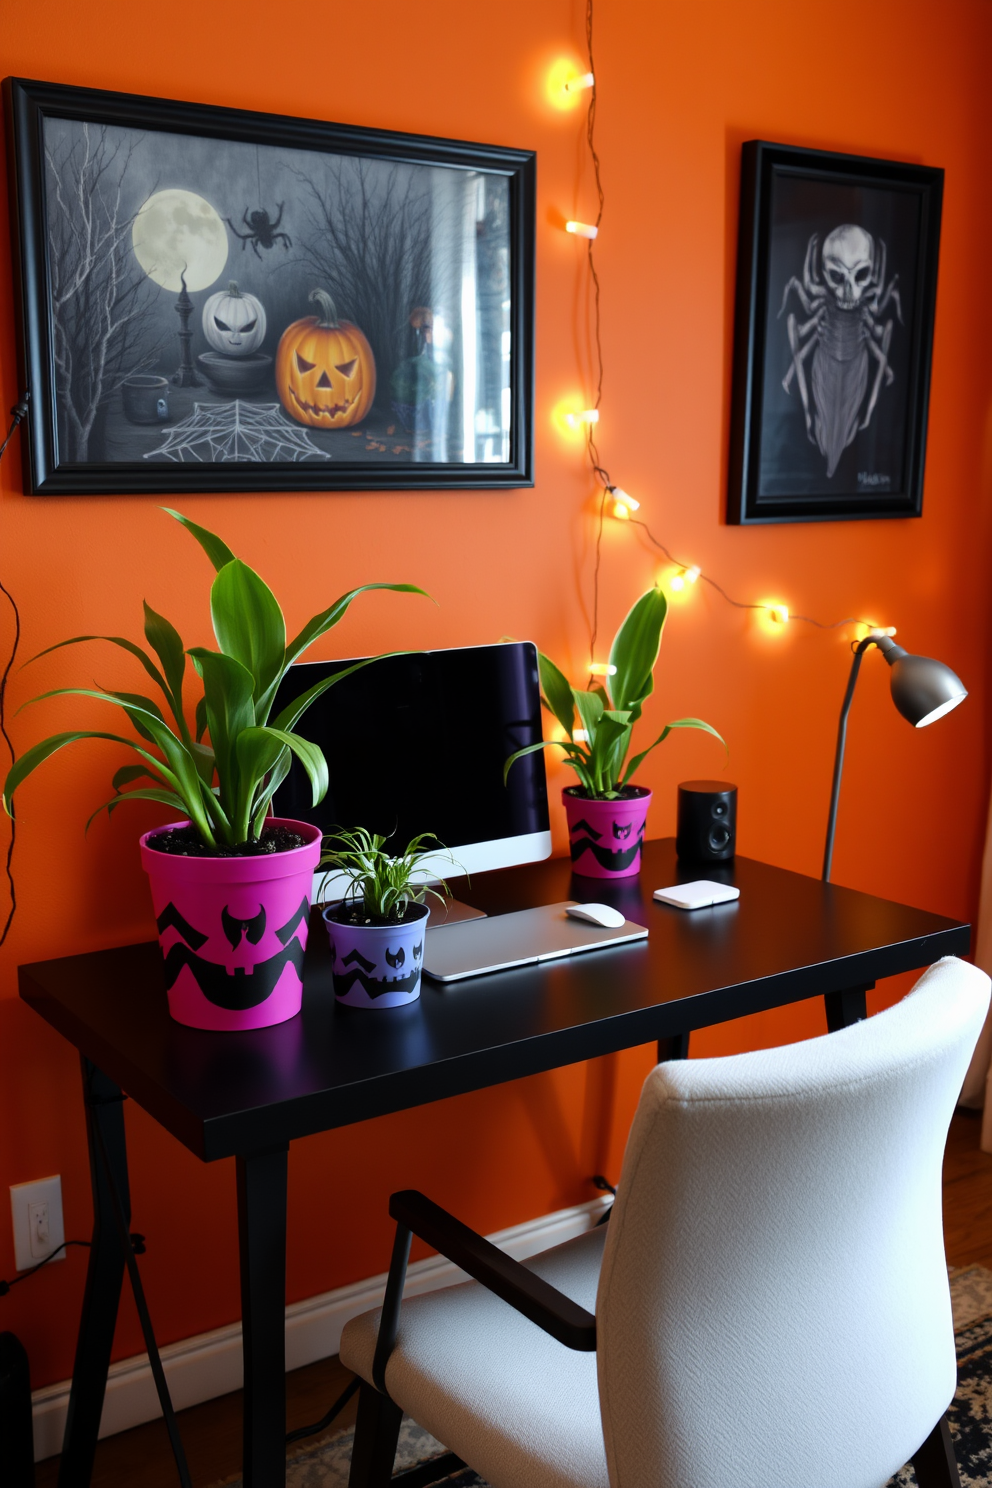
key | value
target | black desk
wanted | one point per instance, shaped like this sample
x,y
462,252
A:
x,y
248,1095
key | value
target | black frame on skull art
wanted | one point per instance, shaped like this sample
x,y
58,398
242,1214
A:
x,y
217,300
836,293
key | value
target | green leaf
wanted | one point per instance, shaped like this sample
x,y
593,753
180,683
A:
x,y
294,711
264,799
137,701
38,753
320,624
609,749
165,797
635,651
227,692
529,749
249,626
310,756
121,641
167,644
557,693
590,706
201,718
127,773
676,723
215,548
204,760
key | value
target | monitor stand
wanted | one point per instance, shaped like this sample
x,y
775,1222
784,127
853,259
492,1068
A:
x,y
451,912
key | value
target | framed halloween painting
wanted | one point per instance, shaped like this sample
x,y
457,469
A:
x,y
217,300
836,295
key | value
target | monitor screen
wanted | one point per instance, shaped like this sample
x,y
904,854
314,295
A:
x,y
417,743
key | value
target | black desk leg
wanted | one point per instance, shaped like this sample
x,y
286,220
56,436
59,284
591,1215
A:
x,y
846,1007
262,1234
104,1278
676,1047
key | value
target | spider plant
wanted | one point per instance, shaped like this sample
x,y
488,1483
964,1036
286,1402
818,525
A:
x,y
382,884
224,786
597,749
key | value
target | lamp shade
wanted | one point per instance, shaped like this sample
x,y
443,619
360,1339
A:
x,y
922,689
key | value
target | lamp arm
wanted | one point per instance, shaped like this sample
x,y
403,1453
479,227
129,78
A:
x,y
828,851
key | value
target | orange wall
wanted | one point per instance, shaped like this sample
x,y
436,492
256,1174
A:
x,y
681,86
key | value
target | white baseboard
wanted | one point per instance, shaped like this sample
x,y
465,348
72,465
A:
x,y
208,1365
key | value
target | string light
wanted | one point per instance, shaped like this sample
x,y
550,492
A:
x,y
623,505
614,501
602,669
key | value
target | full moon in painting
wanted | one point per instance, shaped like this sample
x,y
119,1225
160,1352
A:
x,y
176,233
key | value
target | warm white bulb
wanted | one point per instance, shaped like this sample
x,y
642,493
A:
x,y
587,416
580,736
576,84
676,582
582,229
692,574
779,613
602,669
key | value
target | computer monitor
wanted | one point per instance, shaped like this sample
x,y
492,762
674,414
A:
x,y
417,743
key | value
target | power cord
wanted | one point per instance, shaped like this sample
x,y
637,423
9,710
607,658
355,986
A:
x,y
19,413
137,1245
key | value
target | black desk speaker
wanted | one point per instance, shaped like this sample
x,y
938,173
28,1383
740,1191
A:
x,y
707,821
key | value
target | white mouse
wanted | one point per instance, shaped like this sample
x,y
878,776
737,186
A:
x,y
597,914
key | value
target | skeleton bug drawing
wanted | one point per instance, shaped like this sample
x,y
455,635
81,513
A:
x,y
844,294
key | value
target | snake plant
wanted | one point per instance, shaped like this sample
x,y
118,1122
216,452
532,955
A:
x,y
222,773
607,712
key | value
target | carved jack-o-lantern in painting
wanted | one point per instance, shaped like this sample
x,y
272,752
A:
x,y
325,370
234,323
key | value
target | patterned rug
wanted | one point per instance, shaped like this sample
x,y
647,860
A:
x,y
327,1465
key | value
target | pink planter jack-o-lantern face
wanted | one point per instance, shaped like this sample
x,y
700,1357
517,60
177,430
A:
x,y
238,962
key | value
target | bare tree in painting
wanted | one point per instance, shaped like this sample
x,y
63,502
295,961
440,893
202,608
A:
x,y
367,238
102,303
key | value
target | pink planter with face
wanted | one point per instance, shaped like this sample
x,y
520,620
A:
x,y
233,931
605,837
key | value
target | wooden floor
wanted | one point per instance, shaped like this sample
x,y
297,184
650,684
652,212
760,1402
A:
x,y
212,1432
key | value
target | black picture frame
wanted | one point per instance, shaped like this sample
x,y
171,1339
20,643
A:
x,y
831,370
230,451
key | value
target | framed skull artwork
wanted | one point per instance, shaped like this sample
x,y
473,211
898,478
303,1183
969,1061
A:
x,y
836,291
217,300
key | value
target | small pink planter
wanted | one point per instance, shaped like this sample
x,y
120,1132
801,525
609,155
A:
x,y
605,837
233,931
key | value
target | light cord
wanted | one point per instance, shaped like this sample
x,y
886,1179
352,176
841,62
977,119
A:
x,y
19,413
600,472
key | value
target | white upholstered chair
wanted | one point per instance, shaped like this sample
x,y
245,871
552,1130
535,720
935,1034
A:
x,y
768,1306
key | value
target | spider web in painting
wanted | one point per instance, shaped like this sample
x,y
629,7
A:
x,y
236,431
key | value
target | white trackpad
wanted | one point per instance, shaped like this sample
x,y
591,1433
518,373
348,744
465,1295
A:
x,y
698,895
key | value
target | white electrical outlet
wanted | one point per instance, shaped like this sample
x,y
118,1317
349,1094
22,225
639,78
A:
x,y
36,1212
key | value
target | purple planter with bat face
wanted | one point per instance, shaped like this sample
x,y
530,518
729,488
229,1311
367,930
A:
x,y
605,837
377,966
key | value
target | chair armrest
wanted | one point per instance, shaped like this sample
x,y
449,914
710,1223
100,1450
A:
x,y
530,1295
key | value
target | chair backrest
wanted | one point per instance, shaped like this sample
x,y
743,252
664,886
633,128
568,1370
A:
x,y
773,1307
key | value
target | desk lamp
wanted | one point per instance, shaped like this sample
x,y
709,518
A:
x,y
922,689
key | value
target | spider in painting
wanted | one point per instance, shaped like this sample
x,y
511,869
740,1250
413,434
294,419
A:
x,y
262,231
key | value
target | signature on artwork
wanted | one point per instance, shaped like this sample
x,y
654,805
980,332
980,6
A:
x,y
873,478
